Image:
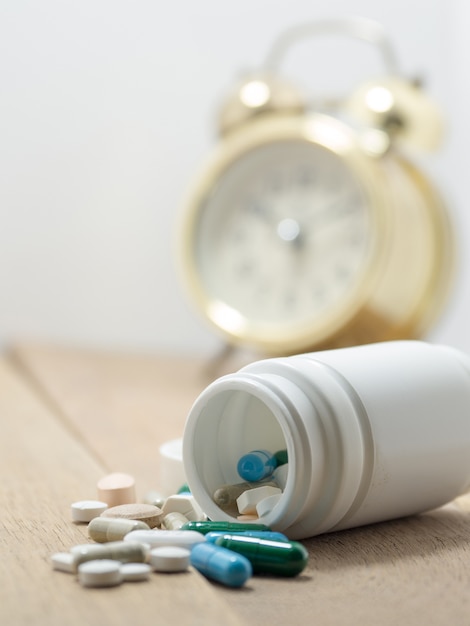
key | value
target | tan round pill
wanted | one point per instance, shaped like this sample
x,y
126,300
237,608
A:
x,y
147,513
116,489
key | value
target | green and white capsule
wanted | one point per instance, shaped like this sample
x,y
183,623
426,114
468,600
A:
x,y
268,557
228,527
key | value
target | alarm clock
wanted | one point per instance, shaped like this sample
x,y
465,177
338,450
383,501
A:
x,y
310,226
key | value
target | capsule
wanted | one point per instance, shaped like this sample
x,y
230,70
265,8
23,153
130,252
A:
x,y
184,489
258,534
174,521
228,527
226,495
104,529
221,565
256,465
124,551
281,457
268,557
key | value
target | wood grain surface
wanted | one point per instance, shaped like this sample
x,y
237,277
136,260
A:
x,y
69,415
44,468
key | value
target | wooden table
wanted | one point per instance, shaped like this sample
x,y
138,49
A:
x,y
69,416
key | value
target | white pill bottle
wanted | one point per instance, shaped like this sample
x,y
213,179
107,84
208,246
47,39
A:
x,y
372,433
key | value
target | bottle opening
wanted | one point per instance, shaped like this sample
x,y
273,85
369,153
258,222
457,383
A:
x,y
223,427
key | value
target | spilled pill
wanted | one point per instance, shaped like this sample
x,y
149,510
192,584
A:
x,y
135,572
102,573
157,538
104,529
147,513
116,488
221,565
86,510
184,504
259,534
209,525
268,557
64,562
123,551
174,521
169,559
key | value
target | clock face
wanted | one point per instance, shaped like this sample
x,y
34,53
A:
x,y
284,237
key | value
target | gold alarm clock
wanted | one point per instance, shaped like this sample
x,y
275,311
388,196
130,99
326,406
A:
x,y
311,227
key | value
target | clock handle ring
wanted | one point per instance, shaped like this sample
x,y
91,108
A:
x,y
359,28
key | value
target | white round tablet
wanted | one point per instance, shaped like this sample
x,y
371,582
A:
x,y
100,573
86,510
169,559
133,572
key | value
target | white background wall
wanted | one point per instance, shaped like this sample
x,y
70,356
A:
x,y
107,111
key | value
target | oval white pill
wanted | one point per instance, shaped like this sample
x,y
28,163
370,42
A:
x,y
169,559
102,573
158,538
86,510
134,572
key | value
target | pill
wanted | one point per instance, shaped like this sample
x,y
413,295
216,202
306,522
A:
x,y
123,551
226,495
155,498
247,502
169,559
86,510
102,573
157,538
280,476
104,529
135,572
64,562
259,534
269,557
281,457
184,504
209,525
184,489
266,505
174,521
221,565
147,513
256,465
116,488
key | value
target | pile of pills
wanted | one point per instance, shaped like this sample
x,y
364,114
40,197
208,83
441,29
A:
x,y
264,476
129,539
